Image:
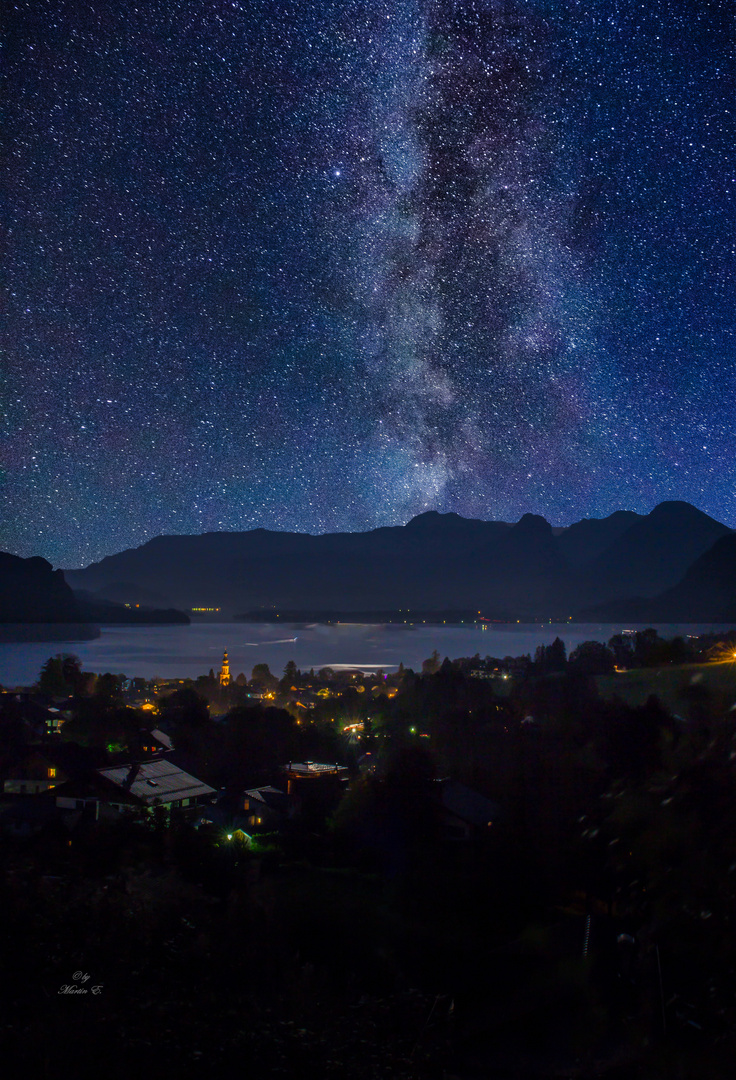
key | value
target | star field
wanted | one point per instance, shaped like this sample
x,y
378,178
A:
x,y
323,265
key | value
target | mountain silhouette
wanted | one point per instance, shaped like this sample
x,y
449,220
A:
x,y
31,591
706,593
582,542
650,556
437,561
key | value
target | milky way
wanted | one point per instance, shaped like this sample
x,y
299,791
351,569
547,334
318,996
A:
x,y
325,265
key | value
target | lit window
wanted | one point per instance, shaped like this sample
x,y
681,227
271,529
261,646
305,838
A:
x,y
51,773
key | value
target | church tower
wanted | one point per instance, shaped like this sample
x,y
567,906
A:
x,y
225,671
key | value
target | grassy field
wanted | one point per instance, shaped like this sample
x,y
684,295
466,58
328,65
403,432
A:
x,y
668,683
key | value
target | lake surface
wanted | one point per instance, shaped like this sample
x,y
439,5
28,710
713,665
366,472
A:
x,y
180,652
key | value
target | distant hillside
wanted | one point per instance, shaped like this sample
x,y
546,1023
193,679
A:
x,y
126,592
437,561
100,610
33,593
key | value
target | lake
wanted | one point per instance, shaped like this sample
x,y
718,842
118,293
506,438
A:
x,y
180,652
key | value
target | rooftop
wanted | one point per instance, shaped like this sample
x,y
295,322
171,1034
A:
x,y
313,768
156,781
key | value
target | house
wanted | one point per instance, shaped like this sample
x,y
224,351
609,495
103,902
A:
x,y
55,720
266,807
95,796
250,810
318,786
463,812
158,783
47,764
34,711
138,786
298,771
155,742
35,773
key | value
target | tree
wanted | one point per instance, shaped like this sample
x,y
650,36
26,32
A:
x,y
557,655
552,657
432,665
104,725
259,741
62,674
648,648
291,671
622,649
108,688
291,674
591,658
183,707
393,813
261,676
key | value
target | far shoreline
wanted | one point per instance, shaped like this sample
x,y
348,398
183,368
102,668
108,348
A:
x,y
21,633
186,651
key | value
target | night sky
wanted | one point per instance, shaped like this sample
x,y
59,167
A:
x,y
322,265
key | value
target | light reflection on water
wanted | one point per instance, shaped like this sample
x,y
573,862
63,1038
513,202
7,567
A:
x,y
180,652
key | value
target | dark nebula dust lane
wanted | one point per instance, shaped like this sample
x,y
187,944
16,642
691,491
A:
x,y
325,265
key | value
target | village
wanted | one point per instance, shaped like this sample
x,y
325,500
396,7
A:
x,y
91,748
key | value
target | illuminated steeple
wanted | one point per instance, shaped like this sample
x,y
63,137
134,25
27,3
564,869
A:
x,y
225,671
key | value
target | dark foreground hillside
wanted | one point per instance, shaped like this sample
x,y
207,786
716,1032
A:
x,y
522,880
